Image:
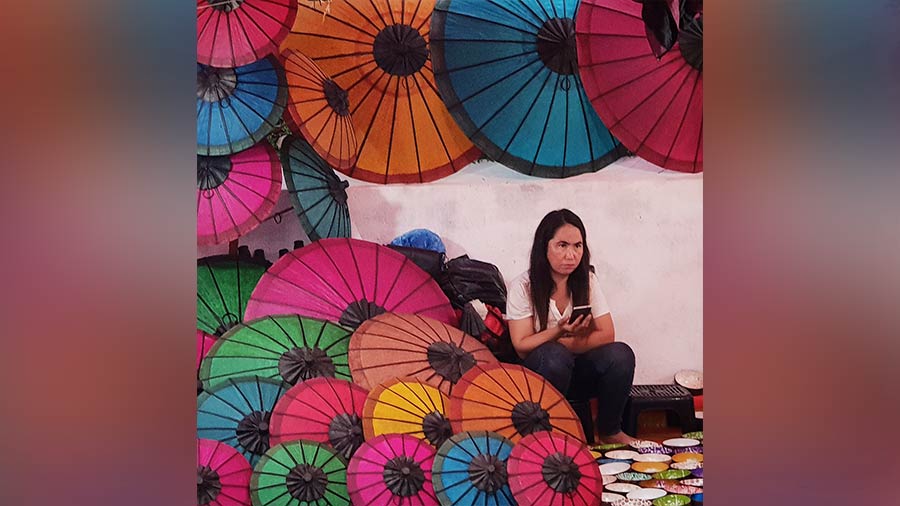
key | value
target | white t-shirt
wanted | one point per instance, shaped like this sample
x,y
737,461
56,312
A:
x,y
519,306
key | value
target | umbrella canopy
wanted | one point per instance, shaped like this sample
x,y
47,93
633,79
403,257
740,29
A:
x,y
319,110
224,285
223,475
204,344
326,410
393,469
407,407
231,33
512,401
238,107
236,193
394,345
237,413
509,76
318,195
287,348
378,52
300,473
654,106
470,468
347,281
554,469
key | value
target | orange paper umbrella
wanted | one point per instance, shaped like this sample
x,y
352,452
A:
x,y
393,345
407,407
512,401
319,110
378,51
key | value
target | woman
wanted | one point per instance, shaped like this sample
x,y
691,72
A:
x,y
581,359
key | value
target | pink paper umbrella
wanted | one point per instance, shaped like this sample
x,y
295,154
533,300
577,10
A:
x,y
347,281
231,33
223,475
236,193
553,469
392,469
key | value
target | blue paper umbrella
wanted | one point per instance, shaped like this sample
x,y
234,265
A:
x,y
470,468
237,413
318,195
238,107
507,71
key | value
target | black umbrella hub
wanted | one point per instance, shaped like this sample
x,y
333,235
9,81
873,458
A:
x,y
301,364
212,171
488,473
225,5
449,360
358,312
306,483
345,433
556,45
337,98
529,416
253,432
690,42
215,84
338,190
561,473
208,485
400,50
436,428
403,476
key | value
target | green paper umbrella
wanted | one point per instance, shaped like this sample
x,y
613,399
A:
x,y
224,285
300,473
289,348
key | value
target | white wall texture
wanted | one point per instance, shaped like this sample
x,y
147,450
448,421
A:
x,y
644,227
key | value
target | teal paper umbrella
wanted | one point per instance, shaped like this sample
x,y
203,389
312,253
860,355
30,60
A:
x,y
318,195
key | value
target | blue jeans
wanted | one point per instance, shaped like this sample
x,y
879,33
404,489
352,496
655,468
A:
x,y
606,372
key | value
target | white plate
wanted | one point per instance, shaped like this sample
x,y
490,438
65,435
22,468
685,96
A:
x,y
652,457
689,379
614,467
609,498
608,478
693,482
622,454
689,465
681,442
623,488
647,493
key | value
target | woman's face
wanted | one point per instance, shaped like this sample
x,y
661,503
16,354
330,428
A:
x,y
564,251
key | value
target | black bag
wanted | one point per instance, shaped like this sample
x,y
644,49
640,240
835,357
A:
x,y
465,280
429,261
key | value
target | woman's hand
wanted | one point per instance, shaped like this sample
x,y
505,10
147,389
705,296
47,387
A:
x,y
581,327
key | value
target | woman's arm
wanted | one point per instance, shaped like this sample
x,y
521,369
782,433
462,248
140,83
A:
x,y
603,332
524,339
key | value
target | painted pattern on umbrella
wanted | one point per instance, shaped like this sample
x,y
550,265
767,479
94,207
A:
x,y
654,106
319,197
394,345
408,407
236,193
511,401
326,410
470,468
554,469
287,348
223,475
347,281
319,110
237,107
224,285
378,51
508,73
237,413
300,473
231,33
392,470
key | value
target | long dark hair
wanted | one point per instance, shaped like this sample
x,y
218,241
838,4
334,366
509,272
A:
x,y
539,272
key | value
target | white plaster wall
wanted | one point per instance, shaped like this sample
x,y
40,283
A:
x,y
644,229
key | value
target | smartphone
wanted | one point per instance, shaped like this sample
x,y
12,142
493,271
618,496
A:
x,y
579,311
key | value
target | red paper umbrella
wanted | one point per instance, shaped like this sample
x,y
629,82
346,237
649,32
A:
x,y
236,193
512,401
553,469
231,33
223,475
393,469
326,410
391,345
347,281
654,106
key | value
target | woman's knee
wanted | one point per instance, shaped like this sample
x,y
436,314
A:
x,y
621,355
